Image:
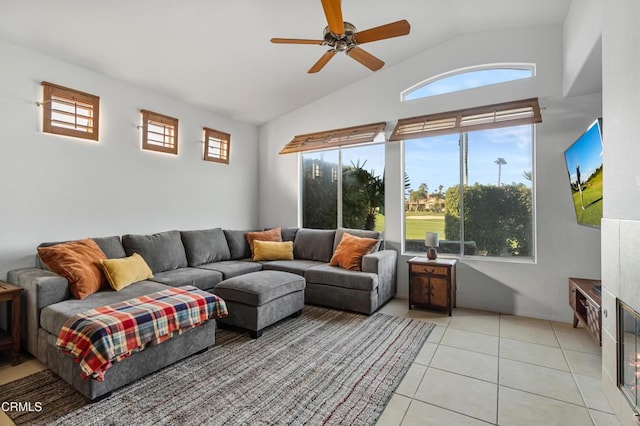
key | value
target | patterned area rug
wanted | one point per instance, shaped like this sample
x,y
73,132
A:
x,y
325,367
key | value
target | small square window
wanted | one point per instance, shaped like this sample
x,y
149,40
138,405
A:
x,y
159,132
216,146
69,112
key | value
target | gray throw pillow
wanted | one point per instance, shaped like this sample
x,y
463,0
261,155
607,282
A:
x,y
314,244
205,246
162,252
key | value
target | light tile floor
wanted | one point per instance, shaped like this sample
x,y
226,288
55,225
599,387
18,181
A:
x,y
480,368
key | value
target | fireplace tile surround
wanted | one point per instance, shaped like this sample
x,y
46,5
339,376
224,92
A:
x,y
620,279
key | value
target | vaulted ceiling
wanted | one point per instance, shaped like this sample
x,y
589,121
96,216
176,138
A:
x,y
217,54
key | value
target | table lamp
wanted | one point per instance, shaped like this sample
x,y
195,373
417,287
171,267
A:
x,y
431,242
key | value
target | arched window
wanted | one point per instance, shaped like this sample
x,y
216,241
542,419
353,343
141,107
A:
x,y
468,78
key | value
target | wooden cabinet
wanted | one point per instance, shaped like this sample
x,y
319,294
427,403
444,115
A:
x,y
584,299
432,283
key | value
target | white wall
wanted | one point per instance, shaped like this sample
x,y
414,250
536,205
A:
x,y
564,248
59,188
621,179
582,31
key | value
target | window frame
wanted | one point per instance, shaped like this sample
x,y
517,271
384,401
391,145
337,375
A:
x,y
535,118
336,176
91,102
495,66
159,119
225,140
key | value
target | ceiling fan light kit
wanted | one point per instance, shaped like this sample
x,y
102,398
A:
x,y
343,36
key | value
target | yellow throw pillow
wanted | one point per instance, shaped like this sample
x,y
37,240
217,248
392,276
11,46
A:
x,y
271,250
270,235
128,270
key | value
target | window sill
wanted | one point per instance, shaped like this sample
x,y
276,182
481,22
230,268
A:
x,y
468,259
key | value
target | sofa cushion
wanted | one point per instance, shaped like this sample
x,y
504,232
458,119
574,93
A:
x,y
79,263
349,253
162,251
288,233
204,279
272,250
232,268
362,233
297,266
338,277
238,244
123,272
258,288
205,246
314,244
53,317
270,235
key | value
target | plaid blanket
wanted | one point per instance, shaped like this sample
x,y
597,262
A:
x,y
99,337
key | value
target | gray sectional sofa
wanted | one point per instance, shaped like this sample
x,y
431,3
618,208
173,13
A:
x,y
204,259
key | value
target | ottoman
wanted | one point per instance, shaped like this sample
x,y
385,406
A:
x,y
258,299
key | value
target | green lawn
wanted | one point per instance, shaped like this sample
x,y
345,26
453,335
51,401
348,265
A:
x,y
592,197
418,225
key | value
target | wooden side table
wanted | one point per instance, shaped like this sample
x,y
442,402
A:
x,y
432,283
585,300
11,293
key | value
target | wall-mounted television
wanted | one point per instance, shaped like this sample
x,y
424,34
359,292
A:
x,y
584,167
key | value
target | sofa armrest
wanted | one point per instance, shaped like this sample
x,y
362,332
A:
x,y
375,262
41,288
384,263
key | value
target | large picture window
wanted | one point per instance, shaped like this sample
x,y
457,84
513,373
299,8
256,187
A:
x,y
474,188
344,187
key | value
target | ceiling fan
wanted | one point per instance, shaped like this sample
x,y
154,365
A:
x,y
342,36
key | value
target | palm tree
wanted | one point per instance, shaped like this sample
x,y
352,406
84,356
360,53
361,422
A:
x,y
500,162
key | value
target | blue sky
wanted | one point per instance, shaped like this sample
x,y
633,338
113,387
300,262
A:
x,y
586,152
436,161
467,80
374,154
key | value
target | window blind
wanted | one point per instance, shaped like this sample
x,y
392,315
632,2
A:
x,y
494,116
334,138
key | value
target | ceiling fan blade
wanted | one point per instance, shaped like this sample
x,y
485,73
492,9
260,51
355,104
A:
x,y
296,41
322,61
394,29
333,12
365,58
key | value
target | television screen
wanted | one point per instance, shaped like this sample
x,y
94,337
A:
x,y
584,166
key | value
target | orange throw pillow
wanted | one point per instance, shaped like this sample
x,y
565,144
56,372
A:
x,y
79,263
270,235
351,250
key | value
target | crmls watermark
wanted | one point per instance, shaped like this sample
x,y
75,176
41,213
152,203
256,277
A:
x,y
8,406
